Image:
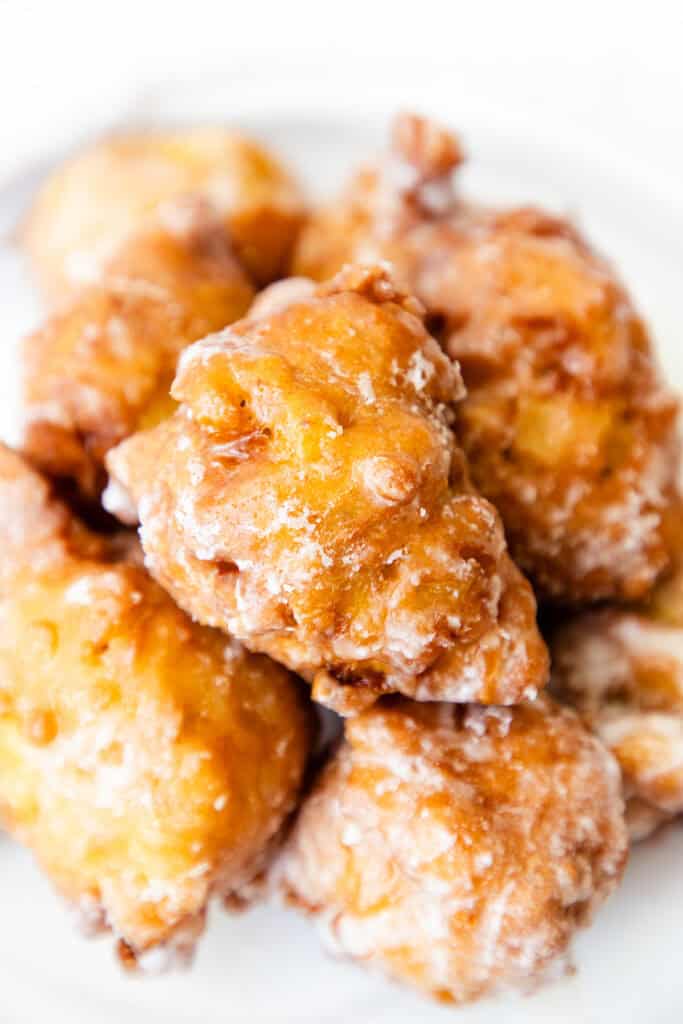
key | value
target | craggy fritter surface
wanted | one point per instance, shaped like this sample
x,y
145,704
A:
x,y
567,425
102,365
623,670
310,498
458,849
100,197
147,762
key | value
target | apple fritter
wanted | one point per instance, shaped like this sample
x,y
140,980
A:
x,y
95,201
148,762
310,498
102,365
455,848
623,671
568,427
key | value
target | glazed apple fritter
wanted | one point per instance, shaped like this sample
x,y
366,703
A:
x,y
94,202
567,426
148,762
458,849
310,498
102,365
623,670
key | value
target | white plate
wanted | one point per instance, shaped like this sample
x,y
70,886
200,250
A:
x,y
267,965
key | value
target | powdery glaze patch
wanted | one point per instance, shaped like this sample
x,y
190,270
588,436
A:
x,y
117,502
567,424
458,849
310,498
618,537
177,952
146,761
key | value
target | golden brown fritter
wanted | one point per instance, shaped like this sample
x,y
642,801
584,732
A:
x,y
310,498
148,762
458,849
623,670
567,425
95,201
102,365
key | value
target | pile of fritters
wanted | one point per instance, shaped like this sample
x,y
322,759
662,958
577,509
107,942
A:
x,y
351,488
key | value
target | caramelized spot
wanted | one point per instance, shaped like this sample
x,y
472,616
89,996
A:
x,y
40,727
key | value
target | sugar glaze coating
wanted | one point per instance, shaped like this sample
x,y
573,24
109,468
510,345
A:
x,y
567,424
458,849
623,671
101,366
310,497
146,761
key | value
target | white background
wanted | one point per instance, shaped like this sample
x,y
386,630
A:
x,y
611,70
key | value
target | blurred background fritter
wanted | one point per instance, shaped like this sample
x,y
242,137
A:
x,y
567,424
102,365
100,197
623,670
